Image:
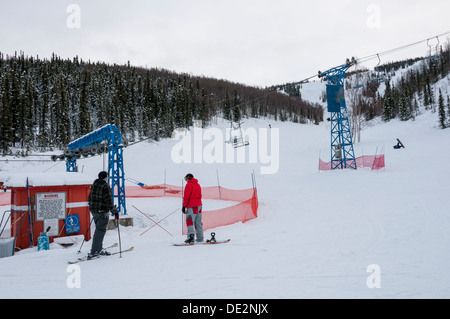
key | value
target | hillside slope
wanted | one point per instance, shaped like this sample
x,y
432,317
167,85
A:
x,y
315,237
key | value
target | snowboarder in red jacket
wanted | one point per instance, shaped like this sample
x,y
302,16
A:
x,y
192,207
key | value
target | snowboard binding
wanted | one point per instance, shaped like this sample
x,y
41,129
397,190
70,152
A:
x,y
213,238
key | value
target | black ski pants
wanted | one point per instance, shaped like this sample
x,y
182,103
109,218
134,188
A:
x,y
101,222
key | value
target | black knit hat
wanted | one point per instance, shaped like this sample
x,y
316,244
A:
x,y
102,175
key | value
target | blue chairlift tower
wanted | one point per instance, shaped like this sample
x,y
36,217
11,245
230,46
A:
x,y
342,152
108,135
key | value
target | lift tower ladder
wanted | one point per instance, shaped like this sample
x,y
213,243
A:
x,y
110,135
342,152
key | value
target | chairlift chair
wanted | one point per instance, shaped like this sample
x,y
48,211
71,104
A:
x,y
433,56
237,139
378,78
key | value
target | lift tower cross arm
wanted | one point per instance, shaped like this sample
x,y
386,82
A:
x,y
110,135
342,152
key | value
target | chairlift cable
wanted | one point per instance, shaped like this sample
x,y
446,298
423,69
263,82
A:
x,y
377,55
369,57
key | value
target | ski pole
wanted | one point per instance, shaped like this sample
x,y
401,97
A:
x,y
120,243
84,239
116,217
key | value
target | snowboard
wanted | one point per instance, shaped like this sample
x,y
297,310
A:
x,y
204,243
211,241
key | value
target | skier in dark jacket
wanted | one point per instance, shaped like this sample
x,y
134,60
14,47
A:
x,y
192,207
100,204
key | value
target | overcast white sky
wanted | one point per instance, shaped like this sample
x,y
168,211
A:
x,y
256,42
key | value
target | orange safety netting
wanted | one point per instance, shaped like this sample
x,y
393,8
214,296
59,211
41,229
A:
x,y
244,211
373,161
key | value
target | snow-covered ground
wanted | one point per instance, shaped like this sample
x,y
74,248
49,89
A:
x,y
318,235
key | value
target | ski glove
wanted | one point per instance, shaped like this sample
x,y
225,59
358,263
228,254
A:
x,y
115,213
183,210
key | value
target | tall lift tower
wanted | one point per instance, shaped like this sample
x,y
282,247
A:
x,y
108,137
342,152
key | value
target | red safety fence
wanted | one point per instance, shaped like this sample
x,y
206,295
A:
x,y
372,161
245,210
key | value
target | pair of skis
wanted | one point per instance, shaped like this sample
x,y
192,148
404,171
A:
x,y
86,258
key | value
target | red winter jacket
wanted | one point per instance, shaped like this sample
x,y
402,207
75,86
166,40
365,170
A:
x,y
192,194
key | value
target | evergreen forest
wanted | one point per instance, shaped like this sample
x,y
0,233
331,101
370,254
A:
x,y
47,103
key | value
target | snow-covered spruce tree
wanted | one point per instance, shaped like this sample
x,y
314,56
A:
x,y
388,104
442,117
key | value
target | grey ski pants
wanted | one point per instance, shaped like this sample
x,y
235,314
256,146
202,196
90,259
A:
x,y
194,222
101,222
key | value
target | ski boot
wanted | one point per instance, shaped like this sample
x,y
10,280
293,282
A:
x,y
190,240
99,254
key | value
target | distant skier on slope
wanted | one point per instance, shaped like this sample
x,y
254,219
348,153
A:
x,y
399,145
192,207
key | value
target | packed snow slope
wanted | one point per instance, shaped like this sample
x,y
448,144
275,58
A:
x,y
316,236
